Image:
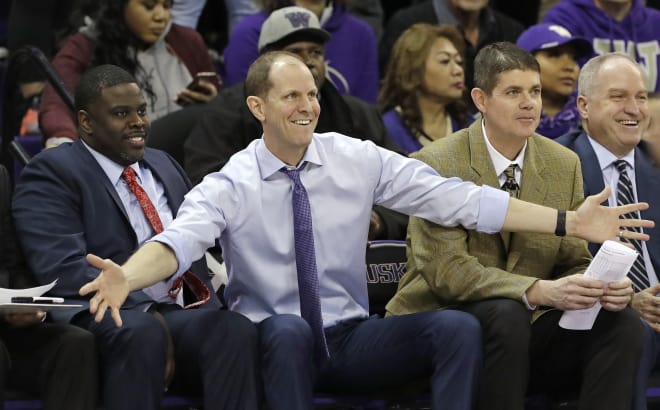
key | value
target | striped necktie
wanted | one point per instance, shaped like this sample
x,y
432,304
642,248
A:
x,y
624,196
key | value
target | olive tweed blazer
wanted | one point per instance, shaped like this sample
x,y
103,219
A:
x,y
451,266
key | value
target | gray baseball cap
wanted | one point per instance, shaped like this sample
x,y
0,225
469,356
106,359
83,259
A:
x,y
287,21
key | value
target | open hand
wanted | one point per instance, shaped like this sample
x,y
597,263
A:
x,y
111,289
598,223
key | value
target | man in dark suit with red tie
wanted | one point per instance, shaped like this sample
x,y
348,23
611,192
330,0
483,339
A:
x,y
80,198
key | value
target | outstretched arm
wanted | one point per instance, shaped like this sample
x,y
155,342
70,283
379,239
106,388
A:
x,y
592,221
152,263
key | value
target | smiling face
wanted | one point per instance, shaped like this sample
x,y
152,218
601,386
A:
x,y
615,113
443,72
559,70
116,123
147,19
289,111
512,111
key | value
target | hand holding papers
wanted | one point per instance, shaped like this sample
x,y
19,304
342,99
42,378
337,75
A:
x,y
611,263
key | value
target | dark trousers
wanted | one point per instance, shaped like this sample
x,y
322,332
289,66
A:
x,y
542,358
649,362
215,356
375,354
55,361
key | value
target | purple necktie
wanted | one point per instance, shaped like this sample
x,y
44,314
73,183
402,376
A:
x,y
308,280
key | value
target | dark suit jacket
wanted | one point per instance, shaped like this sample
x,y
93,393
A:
x,y
450,266
65,207
647,181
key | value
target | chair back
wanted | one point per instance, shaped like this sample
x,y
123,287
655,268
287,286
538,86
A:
x,y
386,264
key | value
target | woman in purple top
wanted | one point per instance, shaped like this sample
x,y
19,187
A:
x,y
351,53
557,52
422,96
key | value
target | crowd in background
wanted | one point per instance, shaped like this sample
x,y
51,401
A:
x,y
408,76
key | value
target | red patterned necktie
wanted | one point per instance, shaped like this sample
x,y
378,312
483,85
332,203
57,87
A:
x,y
196,285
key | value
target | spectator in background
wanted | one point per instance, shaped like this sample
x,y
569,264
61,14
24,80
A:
x,y
53,360
424,86
139,37
479,23
613,107
351,52
626,26
557,52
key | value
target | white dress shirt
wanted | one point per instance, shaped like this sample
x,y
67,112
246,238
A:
x,y
606,161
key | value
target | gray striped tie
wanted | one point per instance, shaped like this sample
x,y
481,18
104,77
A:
x,y
624,196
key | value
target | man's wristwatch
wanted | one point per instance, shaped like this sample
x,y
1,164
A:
x,y
560,229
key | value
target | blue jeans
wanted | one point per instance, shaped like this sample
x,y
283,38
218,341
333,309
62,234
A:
x,y
374,354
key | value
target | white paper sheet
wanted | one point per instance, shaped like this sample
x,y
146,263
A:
x,y
7,294
611,263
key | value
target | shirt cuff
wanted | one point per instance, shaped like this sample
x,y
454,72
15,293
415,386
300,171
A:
x,y
526,302
493,205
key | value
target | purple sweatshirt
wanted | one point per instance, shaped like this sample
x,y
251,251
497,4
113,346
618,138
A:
x,y
351,54
636,35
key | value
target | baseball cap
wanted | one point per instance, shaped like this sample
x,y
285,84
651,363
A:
x,y
544,36
287,21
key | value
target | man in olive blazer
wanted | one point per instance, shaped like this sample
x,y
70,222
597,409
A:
x,y
448,267
518,284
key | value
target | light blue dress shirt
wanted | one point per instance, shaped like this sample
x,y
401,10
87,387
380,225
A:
x,y
247,204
